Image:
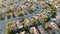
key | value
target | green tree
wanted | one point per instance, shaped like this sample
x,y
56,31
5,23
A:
x,y
45,19
49,4
21,14
8,30
8,16
53,11
53,8
48,28
1,16
0,12
8,10
33,23
25,28
31,11
59,25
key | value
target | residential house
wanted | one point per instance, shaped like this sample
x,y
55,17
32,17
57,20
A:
x,y
19,25
13,27
53,25
57,21
15,14
34,7
24,7
11,15
58,12
36,17
33,30
41,30
28,4
27,22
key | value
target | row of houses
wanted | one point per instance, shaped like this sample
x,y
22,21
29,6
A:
x,y
16,10
36,30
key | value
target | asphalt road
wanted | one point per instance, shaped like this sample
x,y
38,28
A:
x,y
4,22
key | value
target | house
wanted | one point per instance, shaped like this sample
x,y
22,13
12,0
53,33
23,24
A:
x,y
53,25
18,8
36,17
27,4
47,25
41,30
11,15
58,13
19,25
27,22
13,27
24,7
33,30
15,14
57,21
34,7
31,20
3,16
3,10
